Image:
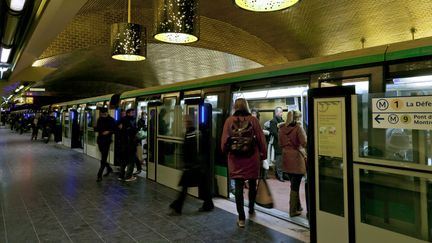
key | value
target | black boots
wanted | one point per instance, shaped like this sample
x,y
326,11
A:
x,y
294,204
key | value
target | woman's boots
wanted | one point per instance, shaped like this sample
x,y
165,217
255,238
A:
x,y
294,204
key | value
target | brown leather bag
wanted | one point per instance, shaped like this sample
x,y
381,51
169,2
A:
x,y
264,197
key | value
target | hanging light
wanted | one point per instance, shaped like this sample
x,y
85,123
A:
x,y
177,21
265,5
128,40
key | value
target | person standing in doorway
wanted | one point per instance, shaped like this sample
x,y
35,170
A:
x,y
274,132
292,139
128,131
105,128
244,164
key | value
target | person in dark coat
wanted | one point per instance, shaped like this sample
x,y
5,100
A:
x,y
105,128
193,170
274,132
128,143
35,128
244,168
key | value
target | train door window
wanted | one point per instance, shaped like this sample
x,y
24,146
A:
x,y
66,123
128,104
216,100
170,133
170,118
90,124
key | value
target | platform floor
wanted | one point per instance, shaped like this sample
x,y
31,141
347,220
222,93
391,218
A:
x,y
49,193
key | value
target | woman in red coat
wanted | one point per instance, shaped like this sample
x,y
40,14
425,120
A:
x,y
292,139
244,166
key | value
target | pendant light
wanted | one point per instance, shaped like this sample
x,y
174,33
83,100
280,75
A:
x,y
128,40
177,21
265,5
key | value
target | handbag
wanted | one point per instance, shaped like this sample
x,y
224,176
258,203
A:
x,y
263,196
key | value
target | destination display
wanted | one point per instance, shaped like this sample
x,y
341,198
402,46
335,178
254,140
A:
x,y
402,112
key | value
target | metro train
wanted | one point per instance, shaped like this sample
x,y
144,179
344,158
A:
x,y
393,70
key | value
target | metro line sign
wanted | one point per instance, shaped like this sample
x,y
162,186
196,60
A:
x,y
402,112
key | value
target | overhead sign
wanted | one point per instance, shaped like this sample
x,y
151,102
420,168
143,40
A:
x,y
402,112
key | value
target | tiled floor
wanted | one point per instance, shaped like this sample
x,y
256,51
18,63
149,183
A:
x,y
48,193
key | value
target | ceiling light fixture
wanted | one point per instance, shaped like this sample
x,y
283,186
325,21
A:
x,y
128,40
5,53
16,5
177,21
265,5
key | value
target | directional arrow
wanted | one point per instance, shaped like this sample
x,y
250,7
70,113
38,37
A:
x,y
378,118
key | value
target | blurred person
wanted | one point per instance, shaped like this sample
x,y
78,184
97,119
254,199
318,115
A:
x,y
292,139
105,127
193,170
35,129
128,143
244,167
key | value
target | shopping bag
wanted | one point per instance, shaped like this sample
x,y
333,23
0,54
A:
x,y
264,197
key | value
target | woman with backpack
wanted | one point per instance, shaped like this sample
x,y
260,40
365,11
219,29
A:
x,y
244,142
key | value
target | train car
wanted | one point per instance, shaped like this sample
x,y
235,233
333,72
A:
x,y
78,119
339,200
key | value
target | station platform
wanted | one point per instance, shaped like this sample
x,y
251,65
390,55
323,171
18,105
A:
x,y
49,193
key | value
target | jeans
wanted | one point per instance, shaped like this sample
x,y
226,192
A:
x,y
239,185
278,166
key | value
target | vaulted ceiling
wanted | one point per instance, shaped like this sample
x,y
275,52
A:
x,y
71,41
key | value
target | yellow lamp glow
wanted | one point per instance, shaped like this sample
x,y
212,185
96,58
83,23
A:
x,y
265,5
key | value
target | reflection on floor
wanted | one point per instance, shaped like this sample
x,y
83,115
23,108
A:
x,y
49,193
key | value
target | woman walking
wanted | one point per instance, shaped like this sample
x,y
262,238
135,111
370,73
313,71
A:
x,y
244,142
292,139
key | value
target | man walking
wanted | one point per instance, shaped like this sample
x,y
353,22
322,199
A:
x,y
274,131
105,127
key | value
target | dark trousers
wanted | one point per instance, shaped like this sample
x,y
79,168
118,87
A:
x,y
127,161
239,185
104,149
177,205
203,191
295,180
278,166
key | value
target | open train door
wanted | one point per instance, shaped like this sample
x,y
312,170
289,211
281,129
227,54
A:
x,y
151,139
201,115
330,164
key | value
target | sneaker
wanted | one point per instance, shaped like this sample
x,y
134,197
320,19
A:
x,y
241,223
120,178
137,172
109,170
132,178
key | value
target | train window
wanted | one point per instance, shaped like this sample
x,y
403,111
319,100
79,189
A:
x,y
397,201
397,144
420,85
170,119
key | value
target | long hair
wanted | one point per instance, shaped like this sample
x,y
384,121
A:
x,y
241,104
293,116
